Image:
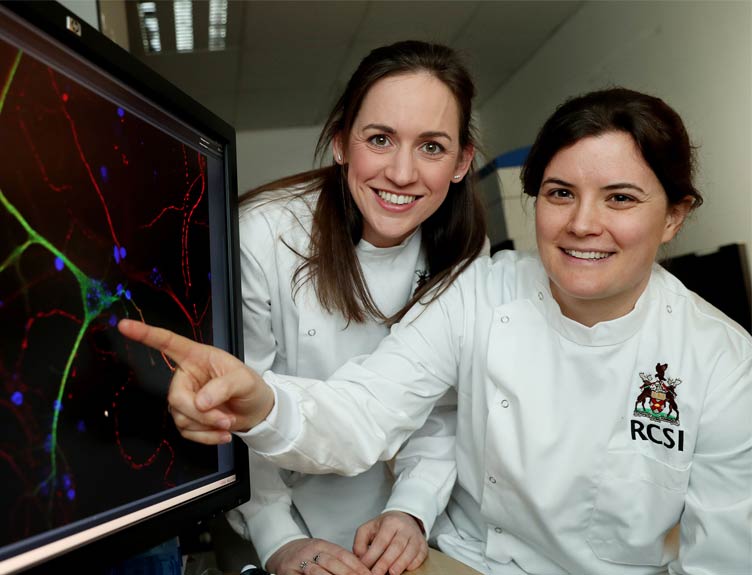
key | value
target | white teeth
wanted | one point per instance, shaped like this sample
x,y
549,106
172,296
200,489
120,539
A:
x,y
397,199
587,255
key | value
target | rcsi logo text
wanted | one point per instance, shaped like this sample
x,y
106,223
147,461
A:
x,y
666,436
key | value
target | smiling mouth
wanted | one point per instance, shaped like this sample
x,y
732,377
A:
x,y
396,199
587,255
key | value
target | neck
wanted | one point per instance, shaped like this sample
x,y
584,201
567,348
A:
x,y
590,311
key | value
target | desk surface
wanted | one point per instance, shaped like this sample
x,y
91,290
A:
x,y
440,564
436,564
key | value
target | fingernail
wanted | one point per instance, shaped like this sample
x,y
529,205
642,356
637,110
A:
x,y
224,423
203,401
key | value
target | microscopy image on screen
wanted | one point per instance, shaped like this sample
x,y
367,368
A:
x,y
102,216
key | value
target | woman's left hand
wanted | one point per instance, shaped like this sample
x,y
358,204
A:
x,y
391,543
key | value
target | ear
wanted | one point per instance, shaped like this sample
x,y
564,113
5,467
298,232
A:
x,y
464,162
338,149
675,216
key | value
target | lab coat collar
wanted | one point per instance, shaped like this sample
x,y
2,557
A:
x,y
601,334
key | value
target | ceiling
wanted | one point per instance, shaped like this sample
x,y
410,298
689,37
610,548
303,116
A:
x,y
286,61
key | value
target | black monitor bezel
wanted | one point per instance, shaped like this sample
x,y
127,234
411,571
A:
x,y
50,18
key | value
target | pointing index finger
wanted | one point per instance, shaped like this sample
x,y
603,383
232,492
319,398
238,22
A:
x,y
175,346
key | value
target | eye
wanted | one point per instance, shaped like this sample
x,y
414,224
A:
x,y
622,200
432,148
559,194
379,140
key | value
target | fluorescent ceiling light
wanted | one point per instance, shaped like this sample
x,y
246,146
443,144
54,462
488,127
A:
x,y
183,25
217,24
147,19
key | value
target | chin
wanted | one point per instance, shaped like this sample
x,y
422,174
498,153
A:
x,y
581,291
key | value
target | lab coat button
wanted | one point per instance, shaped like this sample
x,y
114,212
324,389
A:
x,y
505,319
492,479
497,529
540,295
504,403
311,332
668,309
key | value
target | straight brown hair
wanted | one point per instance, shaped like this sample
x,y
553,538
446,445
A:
x,y
451,237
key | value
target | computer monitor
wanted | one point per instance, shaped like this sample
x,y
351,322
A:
x,y
117,199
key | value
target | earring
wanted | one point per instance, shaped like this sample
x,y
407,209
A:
x,y
457,177
339,157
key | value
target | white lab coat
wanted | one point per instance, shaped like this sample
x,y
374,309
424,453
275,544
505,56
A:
x,y
288,332
558,471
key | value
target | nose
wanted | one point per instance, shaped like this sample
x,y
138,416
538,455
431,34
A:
x,y
585,219
401,169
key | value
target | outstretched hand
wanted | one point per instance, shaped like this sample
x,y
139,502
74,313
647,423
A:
x,y
391,543
212,392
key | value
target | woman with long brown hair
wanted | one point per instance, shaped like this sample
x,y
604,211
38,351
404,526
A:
x,y
330,259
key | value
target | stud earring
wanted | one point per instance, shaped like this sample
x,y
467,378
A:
x,y
457,177
339,157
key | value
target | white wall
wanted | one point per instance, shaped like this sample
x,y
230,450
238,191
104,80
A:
x,y
695,55
266,155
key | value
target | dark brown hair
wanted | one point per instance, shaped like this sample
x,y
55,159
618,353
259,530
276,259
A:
x,y
452,236
655,127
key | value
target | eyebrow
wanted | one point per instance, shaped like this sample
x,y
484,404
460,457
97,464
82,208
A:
x,y
623,185
616,186
390,130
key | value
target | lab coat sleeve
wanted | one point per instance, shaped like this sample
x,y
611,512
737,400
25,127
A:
x,y
266,519
426,467
716,526
370,406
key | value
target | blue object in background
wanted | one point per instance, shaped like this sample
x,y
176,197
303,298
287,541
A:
x,y
490,192
164,559
514,157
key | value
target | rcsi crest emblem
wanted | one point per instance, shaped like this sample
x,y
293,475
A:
x,y
660,394
422,279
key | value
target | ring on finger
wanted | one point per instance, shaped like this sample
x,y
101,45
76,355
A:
x,y
316,558
303,565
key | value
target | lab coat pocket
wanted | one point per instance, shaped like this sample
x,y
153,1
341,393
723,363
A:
x,y
639,500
